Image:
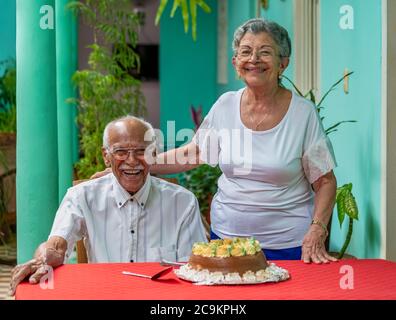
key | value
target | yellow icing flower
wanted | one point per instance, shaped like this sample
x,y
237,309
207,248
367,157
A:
x,y
223,251
208,252
238,251
250,250
198,248
217,242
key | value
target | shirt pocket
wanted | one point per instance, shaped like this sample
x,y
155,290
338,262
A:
x,y
158,253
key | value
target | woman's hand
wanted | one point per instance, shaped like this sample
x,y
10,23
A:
x,y
100,173
313,248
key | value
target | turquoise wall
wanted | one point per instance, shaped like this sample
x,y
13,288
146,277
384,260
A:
x,y
357,145
7,30
281,11
187,68
238,13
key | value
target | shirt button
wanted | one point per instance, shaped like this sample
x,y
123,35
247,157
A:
x,y
131,260
132,231
119,203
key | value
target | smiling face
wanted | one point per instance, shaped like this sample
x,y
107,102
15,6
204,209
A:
x,y
126,154
257,60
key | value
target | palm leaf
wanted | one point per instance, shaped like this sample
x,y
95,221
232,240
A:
x,y
204,6
160,10
176,4
193,11
185,14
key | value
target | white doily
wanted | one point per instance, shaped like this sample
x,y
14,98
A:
x,y
272,273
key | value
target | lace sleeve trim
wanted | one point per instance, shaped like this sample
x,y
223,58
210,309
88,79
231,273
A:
x,y
318,160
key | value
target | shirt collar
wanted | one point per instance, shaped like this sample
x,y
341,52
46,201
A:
x,y
122,196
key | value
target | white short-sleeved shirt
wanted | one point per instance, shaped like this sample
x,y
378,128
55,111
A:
x,y
265,189
161,220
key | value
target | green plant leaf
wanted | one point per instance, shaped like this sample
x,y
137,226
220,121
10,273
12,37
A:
x,y
346,203
331,129
294,86
340,205
176,4
204,6
333,87
193,11
185,14
160,11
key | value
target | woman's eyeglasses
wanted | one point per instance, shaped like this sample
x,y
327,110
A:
x,y
263,54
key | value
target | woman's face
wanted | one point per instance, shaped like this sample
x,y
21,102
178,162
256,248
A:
x,y
257,60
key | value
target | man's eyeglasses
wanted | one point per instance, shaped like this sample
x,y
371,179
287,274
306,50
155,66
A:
x,y
263,54
123,154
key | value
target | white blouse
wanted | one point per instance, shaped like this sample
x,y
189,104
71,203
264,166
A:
x,y
265,189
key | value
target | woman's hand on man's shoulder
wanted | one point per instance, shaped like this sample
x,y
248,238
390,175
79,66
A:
x,y
101,173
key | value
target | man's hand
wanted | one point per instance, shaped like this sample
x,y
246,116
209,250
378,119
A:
x,y
100,173
313,248
50,253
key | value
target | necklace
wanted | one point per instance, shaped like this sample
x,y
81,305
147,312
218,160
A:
x,y
255,126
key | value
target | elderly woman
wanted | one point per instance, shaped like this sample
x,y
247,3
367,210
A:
x,y
286,197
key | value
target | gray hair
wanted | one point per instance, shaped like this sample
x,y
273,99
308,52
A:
x,y
274,30
149,136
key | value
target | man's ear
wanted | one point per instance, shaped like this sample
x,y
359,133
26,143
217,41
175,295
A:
x,y
106,157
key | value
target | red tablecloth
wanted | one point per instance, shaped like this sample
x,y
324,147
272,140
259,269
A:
x,y
372,279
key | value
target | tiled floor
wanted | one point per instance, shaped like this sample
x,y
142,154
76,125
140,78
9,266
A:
x,y
5,273
7,253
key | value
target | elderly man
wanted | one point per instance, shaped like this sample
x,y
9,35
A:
x,y
126,216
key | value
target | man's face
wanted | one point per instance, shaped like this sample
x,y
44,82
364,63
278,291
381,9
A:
x,y
126,154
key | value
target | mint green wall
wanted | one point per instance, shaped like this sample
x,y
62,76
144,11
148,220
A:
x,y
357,145
7,30
187,68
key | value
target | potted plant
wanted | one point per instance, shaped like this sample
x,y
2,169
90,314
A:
x,y
107,89
7,151
345,201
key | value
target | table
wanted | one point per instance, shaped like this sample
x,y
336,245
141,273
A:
x,y
371,279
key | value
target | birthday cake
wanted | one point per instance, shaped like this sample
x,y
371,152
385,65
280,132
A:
x,y
230,261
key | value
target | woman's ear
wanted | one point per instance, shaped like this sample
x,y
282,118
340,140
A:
x,y
284,62
234,63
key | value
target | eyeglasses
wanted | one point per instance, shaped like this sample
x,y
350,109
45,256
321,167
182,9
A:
x,y
263,54
123,154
